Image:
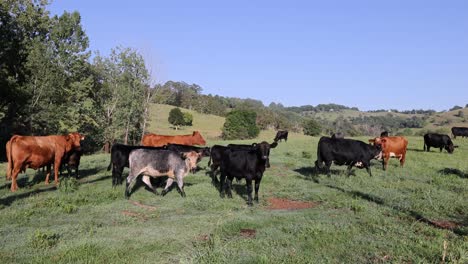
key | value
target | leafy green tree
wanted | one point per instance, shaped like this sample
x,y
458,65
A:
x,y
176,117
240,124
312,128
188,118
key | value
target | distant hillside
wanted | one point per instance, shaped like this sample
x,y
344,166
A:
x,y
209,125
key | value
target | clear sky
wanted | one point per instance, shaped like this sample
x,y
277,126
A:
x,y
369,54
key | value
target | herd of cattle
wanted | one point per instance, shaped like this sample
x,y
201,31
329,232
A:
x,y
176,156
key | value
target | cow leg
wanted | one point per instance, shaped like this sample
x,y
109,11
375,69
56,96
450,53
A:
x,y
385,162
402,159
76,173
146,179
222,179
214,167
228,186
327,168
168,184
48,169
57,164
14,175
129,185
257,186
428,148
368,170
440,149
249,190
180,184
349,169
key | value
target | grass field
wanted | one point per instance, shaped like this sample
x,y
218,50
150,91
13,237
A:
x,y
209,125
395,216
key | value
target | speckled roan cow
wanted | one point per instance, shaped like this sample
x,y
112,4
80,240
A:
x,y
156,163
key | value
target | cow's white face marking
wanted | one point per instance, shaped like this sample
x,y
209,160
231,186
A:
x,y
359,164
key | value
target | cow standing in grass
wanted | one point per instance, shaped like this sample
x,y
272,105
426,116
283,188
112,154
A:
x,y
348,152
438,141
391,147
156,163
249,164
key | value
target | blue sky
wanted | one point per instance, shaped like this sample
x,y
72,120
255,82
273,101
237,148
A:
x,y
368,54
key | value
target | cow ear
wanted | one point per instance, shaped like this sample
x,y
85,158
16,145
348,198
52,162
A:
x,y
274,144
183,155
371,140
254,144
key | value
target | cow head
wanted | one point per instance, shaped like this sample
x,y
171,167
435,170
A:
x,y
191,159
376,151
263,151
74,139
450,147
198,139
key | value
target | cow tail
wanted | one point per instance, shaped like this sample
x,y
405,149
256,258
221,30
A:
x,y
318,162
209,161
10,158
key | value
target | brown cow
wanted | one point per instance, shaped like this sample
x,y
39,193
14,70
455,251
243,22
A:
x,y
391,147
37,151
155,140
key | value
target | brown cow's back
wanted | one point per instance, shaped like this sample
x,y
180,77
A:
x,y
155,140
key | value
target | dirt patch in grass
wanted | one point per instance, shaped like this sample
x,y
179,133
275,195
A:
x,y
285,204
148,207
203,237
136,215
248,233
445,224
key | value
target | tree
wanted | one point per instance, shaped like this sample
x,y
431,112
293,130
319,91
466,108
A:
x,y
188,118
176,117
312,128
240,124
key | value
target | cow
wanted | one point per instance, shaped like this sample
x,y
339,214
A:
x,y
337,135
204,152
281,134
459,131
438,141
249,164
38,151
391,147
348,152
119,160
384,134
72,161
155,140
216,156
157,162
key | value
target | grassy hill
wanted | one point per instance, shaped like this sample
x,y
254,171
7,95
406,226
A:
x,y
209,125
402,215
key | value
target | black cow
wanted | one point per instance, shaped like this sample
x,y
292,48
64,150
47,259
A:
x,y
438,141
249,164
216,156
459,131
160,162
281,134
71,160
384,134
337,135
346,152
119,160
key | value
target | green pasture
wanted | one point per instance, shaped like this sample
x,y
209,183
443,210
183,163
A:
x,y
402,215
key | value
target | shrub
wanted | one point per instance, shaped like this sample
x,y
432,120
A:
x,y
312,128
240,124
188,119
176,117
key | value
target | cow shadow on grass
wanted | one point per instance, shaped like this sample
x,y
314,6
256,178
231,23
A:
x,y
457,172
314,173
416,150
7,201
40,176
461,230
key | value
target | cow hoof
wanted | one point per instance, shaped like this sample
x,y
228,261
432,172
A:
x,y
163,193
249,203
221,195
182,194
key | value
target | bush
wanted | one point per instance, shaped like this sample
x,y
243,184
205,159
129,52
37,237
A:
x,y
240,124
179,118
312,128
188,119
